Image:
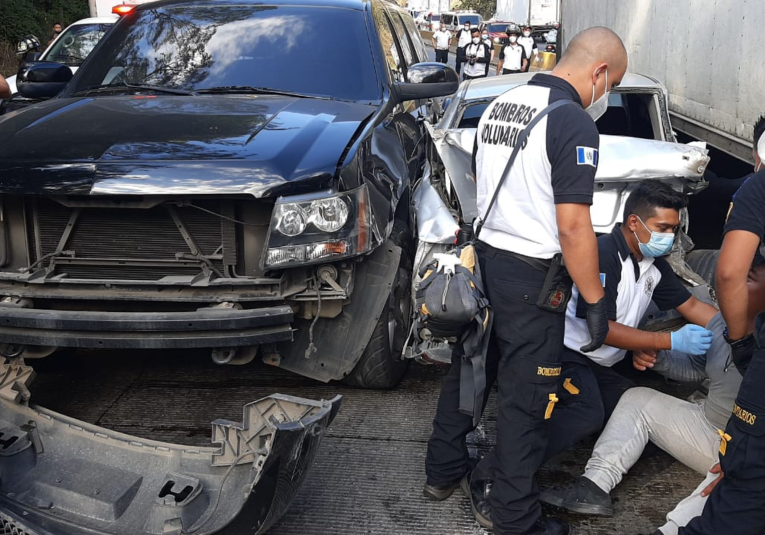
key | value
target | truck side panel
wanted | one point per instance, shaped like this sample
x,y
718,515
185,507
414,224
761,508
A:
x,y
709,59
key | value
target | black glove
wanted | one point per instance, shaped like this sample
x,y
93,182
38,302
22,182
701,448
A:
x,y
742,351
597,324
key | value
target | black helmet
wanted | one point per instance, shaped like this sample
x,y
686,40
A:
x,y
513,29
28,44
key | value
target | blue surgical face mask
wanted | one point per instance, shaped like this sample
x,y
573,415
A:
x,y
660,243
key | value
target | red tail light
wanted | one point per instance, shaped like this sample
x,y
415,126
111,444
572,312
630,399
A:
x,y
122,9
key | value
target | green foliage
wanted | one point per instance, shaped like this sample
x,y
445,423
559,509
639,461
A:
x,y
23,17
486,8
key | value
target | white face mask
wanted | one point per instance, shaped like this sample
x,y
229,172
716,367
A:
x,y
513,39
598,107
476,40
467,27
527,34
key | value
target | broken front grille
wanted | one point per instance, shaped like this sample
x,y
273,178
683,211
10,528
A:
x,y
110,242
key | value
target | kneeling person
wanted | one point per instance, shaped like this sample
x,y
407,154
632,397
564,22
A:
x,y
633,274
686,430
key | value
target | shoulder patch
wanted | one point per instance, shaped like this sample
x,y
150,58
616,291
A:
x,y
587,156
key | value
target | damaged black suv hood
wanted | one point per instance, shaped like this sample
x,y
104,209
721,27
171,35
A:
x,y
154,144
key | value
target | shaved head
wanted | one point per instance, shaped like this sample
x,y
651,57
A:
x,y
591,56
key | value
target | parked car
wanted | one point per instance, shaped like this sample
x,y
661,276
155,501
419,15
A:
x,y
71,48
496,30
426,19
455,20
184,190
637,142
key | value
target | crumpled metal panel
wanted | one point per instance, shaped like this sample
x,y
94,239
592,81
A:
x,y
435,222
67,477
628,158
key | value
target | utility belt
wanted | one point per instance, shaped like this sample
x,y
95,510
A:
x,y
557,288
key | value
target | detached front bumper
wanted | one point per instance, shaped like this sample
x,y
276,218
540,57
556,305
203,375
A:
x,y
203,328
65,477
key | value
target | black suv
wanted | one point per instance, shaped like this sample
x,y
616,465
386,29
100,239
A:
x,y
224,174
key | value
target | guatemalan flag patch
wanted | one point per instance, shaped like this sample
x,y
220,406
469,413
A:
x,y
587,156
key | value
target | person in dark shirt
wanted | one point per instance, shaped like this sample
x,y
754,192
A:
x,y
737,497
57,29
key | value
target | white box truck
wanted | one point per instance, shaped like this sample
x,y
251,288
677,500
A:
x,y
709,57
532,12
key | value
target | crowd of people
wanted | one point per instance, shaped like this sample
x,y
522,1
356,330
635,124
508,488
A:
x,y
553,347
475,50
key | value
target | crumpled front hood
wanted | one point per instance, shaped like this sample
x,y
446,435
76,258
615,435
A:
x,y
146,144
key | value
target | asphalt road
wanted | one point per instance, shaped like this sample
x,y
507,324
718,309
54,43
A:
x,y
369,472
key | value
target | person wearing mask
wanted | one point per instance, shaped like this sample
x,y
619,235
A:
x,y
737,498
5,89
477,57
440,41
685,430
542,215
488,42
512,57
57,29
463,38
529,45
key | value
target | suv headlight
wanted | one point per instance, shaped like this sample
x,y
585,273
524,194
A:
x,y
313,228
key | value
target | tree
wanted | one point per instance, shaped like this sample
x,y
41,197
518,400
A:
x,y
23,17
487,8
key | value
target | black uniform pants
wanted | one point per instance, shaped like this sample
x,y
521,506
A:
x,y
524,358
510,71
460,59
442,56
737,504
588,394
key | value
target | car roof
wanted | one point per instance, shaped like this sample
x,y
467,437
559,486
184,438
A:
x,y
494,86
108,19
348,4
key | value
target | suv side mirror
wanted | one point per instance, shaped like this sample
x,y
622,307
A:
x,y
427,80
42,80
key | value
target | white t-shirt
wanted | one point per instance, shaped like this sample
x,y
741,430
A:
x,y
463,38
477,69
529,45
512,56
442,38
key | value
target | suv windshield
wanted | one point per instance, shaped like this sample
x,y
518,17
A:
x,y
197,47
474,20
74,45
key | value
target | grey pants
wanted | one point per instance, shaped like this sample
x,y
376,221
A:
x,y
678,427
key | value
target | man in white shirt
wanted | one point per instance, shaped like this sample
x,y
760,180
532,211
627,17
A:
x,y
477,56
512,57
463,38
488,42
440,41
529,45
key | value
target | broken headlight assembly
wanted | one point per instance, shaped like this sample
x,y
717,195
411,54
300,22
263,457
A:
x,y
317,227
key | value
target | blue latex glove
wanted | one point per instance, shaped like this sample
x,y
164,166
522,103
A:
x,y
692,339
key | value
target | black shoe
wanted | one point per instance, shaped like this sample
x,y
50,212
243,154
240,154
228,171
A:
x,y
582,496
552,526
478,493
439,493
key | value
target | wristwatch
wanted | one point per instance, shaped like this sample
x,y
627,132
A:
x,y
738,343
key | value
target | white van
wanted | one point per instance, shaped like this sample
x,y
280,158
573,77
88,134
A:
x,y
455,20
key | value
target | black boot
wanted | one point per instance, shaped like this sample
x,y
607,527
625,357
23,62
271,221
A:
x,y
478,492
582,496
439,493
